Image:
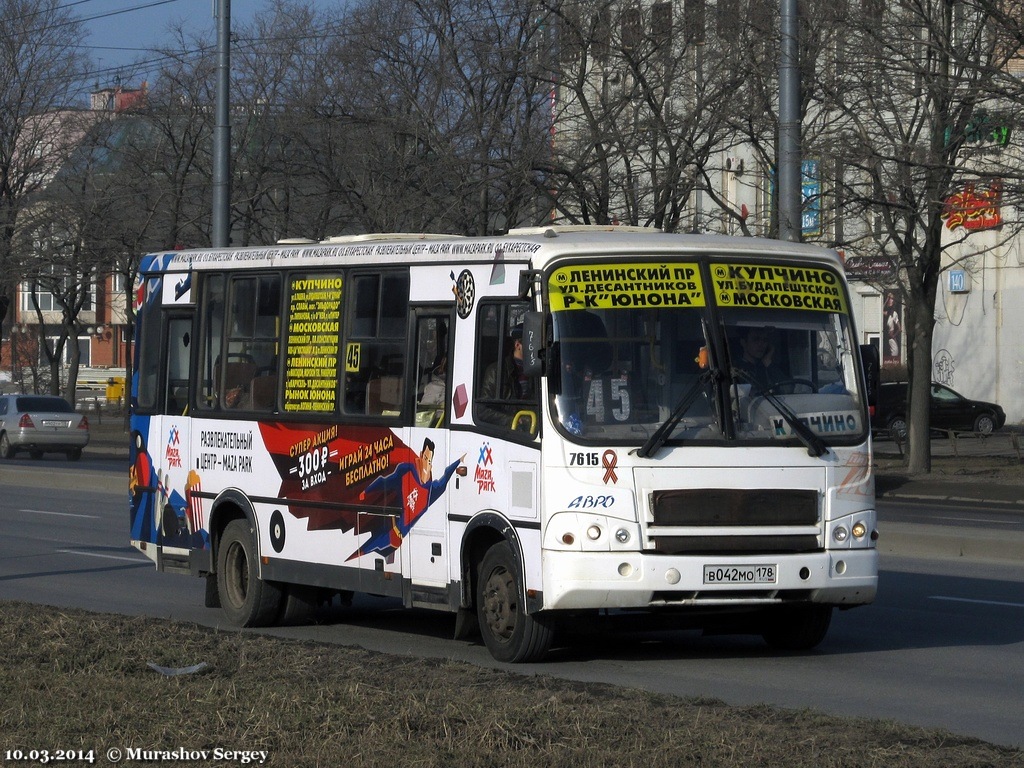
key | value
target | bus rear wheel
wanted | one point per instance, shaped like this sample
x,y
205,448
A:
x,y
247,600
510,633
797,627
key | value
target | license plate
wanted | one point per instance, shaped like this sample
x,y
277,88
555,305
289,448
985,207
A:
x,y
741,574
49,423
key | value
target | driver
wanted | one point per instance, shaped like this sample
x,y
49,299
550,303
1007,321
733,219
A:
x,y
756,360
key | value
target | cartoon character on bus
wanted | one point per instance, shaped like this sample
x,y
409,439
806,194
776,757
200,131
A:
x,y
159,512
413,482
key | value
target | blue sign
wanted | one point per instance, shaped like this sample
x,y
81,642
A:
x,y
810,193
958,281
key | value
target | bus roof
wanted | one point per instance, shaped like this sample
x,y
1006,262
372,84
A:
x,y
540,245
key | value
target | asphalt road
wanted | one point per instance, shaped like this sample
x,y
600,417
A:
x,y
943,646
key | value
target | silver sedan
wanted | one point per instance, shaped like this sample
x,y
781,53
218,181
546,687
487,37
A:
x,y
40,424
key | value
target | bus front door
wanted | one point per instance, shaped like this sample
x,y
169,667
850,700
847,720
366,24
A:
x,y
179,518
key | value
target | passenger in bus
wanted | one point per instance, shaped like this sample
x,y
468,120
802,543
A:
x,y
505,380
238,376
434,388
756,361
433,383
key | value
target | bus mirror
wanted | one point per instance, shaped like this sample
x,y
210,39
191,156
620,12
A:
x,y
533,336
528,281
872,372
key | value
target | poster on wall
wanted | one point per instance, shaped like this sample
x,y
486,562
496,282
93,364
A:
x,y
892,328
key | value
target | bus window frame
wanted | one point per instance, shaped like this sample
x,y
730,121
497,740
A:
x,y
147,314
417,313
348,339
492,428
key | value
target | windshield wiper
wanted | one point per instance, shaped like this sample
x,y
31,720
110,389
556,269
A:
x,y
655,441
815,445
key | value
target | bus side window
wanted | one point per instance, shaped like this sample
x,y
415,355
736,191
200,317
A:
x,y
375,344
148,356
254,328
431,372
211,331
179,339
504,396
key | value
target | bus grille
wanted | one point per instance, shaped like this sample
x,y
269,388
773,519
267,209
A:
x,y
758,517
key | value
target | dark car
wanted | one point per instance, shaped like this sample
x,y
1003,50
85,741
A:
x,y
949,410
39,424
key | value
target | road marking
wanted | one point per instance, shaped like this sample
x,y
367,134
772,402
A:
x,y
106,557
969,520
977,602
59,514
907,498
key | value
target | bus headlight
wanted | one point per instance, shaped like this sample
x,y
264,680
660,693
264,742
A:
x,y
859,530
622,536
840,534
594,532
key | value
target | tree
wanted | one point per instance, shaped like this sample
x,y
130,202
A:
x,y
274,60
902,98
443,101
644,101
40,73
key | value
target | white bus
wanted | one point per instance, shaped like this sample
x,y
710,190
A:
x,y
516,429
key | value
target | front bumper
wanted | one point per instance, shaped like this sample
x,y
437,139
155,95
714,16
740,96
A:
x,y
589,580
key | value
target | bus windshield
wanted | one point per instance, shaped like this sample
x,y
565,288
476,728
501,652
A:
x,y
639,357
791,365
622,372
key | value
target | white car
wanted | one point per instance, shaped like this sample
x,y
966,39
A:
x,y
40,424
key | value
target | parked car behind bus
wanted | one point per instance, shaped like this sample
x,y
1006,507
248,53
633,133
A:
x,y
39,424
949,410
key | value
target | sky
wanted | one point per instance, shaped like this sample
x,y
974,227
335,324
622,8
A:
x,y
123,31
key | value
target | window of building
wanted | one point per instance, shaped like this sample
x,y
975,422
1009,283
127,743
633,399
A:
x,y
632,29
727,19
50,301
694,20
602,33
84,344
661,27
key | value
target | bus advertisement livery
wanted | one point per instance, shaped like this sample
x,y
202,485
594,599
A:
x,y
516,429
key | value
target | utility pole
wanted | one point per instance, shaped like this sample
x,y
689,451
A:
x,y
789,192
220,234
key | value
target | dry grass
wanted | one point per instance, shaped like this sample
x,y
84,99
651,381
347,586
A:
x,y
71,679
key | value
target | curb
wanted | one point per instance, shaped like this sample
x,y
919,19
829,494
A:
x,y
1010,504
921,540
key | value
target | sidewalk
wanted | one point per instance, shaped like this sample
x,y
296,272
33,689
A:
x,y
965,468
107,434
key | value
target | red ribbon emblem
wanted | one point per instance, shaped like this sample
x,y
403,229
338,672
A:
x,y
609,461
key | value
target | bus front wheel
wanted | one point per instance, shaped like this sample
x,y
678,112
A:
x,y
246,600
510,633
